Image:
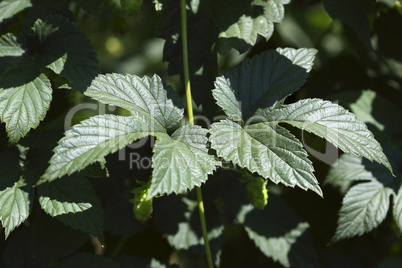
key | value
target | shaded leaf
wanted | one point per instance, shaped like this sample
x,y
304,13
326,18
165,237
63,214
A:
x,y
43,241
73,201
25,93
96,170
65,50
223,24
267,149
354,14
389,23
118,214
90,6
43,8
263,81
390,262
87,260
181,161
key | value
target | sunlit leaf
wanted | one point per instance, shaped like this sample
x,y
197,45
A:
x,y
93,139
240,22
333,123
15,205
9,8
364,207
268,149
149,96
181,161
25,97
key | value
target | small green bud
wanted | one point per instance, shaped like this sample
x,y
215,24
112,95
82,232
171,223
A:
x,y
257,192
142,206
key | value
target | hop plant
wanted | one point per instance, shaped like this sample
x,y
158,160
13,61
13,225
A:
x,y
142,206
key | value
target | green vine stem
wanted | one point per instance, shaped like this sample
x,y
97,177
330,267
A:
x,y
191,120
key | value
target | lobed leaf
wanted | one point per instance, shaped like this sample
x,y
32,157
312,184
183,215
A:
x,y
225,24
226,99
93,139
333,123
145,95
267,149
73,201
181,161
363,208
263,81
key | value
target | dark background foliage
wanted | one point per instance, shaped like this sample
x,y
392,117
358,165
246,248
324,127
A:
x,y
359,44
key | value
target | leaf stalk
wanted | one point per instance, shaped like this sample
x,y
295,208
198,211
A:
x,y
191,121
